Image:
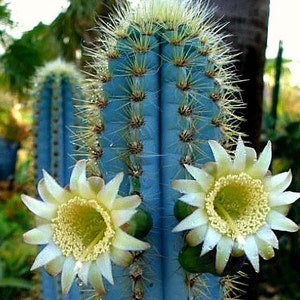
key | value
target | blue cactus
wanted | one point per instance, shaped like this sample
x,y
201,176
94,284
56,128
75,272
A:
x,y
164,86
56,88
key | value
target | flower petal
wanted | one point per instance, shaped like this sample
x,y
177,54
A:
x,y
265,250
195,219
96,183
212,238
278,199
125,241
104,265
129,202
121,257
194,199
221,156
45,194
251,157
95,279
239,162
251,251
47,254
109,192
261,166
204,179
187,186
79,184
39,235
265,233
84,271
55,189
55,266
120,217
278,183
224,248
39,208
278,221
78,175
196,235
68,275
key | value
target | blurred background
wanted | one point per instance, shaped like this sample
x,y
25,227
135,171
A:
x,y
34,32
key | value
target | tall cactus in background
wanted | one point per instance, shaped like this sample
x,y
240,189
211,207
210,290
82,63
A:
x,y
162,86
57,87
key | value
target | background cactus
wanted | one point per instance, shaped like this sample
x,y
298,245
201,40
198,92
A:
x,y
162,86
57,88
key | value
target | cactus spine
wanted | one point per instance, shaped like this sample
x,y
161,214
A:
x,y
163,86
56,88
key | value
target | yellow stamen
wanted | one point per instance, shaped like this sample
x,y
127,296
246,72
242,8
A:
x,y
82,229
237,205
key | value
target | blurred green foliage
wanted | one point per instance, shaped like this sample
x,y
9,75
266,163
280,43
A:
x,y
16,257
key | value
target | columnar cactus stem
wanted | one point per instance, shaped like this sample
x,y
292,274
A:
x,y
164,86
56,88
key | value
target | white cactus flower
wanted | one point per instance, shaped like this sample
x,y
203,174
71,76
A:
x,y
238,204
81,228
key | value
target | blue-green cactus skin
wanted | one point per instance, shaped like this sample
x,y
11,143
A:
x,y
56,88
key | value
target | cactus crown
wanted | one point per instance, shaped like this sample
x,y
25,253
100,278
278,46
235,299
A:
x,y
56,90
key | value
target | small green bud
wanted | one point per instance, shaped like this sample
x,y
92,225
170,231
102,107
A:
x,y
140,224
182,210
191,261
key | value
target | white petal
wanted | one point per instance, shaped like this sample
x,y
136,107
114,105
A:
x,y
224,248
96,183
45,194
221,156
39,235
195,219
55,266
68,275
39,208
203,178
109,192
265,233
278,199
278,183
121,257
55,189
251,251
239,162
125,241
265,250
104,264
278,221
261,166
129,202
196,235
78,175
194,199
251,157
283,209
187,186
84,272
212,238
120,217
79,184
47,254
95,279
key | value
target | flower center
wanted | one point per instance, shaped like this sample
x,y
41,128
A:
x,y
82,229
237,205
